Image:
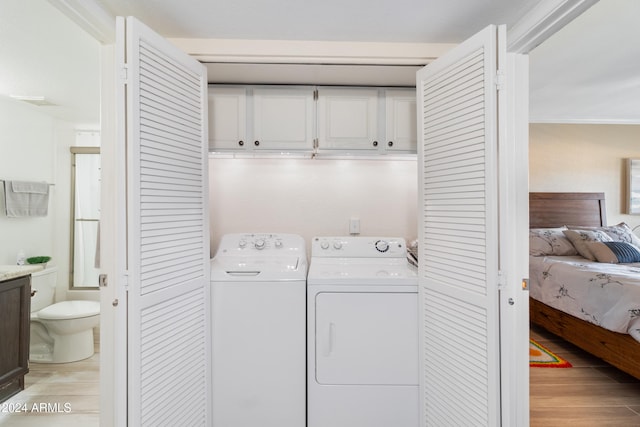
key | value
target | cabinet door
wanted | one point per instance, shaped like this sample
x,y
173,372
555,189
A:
x,y
15,307
400,120
283,118
348,119
227,118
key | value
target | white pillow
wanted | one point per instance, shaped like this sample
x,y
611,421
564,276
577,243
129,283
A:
x,y
618,233
580,238
550,241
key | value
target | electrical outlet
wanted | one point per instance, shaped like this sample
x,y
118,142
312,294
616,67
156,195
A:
x,y
354,226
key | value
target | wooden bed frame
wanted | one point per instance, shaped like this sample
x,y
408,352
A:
x,y
547,210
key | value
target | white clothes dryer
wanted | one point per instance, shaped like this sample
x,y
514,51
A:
x,y
362,334
258,302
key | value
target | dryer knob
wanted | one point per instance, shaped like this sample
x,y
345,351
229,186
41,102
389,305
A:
x,y
382,246
324,245
259,244
242,243
337,244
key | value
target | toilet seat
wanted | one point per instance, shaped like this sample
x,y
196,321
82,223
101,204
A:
x,y
70,310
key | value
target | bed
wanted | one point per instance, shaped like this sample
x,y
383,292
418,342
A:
x,y
554,211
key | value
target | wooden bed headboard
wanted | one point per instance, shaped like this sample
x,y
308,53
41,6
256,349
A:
x,y
550,210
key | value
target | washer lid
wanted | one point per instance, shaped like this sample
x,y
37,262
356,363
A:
x,y
70,310
258,268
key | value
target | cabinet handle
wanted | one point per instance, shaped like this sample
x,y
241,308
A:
x,y
375,143
256,143
390,143
240,143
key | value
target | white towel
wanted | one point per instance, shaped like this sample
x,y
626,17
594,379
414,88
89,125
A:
x,y
26,198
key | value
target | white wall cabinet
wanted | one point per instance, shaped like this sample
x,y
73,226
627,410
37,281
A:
x,y
354,120
283,118
400,113
347,119
367,119
249,118
227,118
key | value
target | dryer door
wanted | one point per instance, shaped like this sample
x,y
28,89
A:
x,y
367,338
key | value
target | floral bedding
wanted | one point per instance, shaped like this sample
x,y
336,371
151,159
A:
x,y
607,295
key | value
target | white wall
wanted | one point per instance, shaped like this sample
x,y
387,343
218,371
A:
x,y
590,158
27,153
35,147
49,56
312,197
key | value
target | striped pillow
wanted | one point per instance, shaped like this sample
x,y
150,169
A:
x,y
614,252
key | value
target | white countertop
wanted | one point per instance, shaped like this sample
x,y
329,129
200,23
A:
x,y
12,271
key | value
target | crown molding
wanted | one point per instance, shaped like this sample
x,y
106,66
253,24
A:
x,y
544,20
91,16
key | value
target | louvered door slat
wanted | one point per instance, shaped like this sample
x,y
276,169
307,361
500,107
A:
x,y
176,143
168,299
458,250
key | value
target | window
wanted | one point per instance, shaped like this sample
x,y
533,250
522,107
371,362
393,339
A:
x,y
85,217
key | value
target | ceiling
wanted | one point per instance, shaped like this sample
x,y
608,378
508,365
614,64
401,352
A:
x,y
432,21
587,72
44,54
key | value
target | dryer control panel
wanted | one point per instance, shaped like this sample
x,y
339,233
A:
x,y
359,247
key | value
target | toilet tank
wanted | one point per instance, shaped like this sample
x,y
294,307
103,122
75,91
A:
x,y
44,284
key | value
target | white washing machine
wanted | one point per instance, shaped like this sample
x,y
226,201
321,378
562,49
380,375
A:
x,y
362,334
258,302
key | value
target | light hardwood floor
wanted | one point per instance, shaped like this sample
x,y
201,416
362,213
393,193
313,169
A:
x,y
56,395
590,394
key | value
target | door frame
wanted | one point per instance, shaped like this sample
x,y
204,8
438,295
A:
x,y
90,15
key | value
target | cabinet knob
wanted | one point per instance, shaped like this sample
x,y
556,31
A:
x,y
390,143
375,143
256,143
240,143
34,292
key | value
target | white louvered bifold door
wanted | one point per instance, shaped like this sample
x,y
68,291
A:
x,y
458,236
168,237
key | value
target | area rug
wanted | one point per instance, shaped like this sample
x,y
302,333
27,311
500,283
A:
x,y
542,357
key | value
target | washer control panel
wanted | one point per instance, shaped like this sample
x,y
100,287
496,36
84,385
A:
x,y
244,243
359,246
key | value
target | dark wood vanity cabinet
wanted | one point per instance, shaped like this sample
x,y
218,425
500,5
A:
x,y
15,308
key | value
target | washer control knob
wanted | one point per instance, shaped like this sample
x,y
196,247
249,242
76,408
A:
x,y
382,245
259,244
337,245
278,243
324,244
242,243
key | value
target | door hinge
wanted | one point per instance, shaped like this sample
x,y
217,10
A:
x,y
315,94
315,143
103,281
124,74
499,80
502,283
125,281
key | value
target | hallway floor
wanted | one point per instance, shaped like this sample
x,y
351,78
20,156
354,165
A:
x,y
57,395
589,394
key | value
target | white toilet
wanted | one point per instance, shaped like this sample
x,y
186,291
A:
x,y
60,332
